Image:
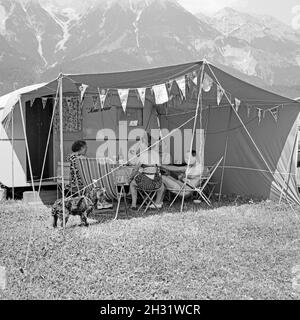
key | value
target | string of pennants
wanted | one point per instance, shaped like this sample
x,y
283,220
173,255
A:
x,y
162,94
261,112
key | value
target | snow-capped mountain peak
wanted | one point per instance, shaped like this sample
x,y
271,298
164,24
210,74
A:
x,y
40,38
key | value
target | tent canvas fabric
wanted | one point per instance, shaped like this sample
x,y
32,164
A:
x,y
260,153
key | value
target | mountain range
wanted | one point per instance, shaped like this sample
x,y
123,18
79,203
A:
x,y
41,38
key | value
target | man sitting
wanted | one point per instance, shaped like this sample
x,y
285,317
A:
x,y
192,173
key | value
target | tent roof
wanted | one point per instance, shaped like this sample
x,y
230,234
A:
x,y
141,78
10,99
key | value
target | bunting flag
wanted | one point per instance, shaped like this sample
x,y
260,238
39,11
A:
x,y
142,94
259,110
169,86
195,78
32,101
44,101
82,90
207,82
182,85
123,94
274,113
160,93
220,92
248,110
102,97
237,104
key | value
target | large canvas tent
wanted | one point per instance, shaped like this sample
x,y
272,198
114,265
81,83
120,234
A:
x,y
255,131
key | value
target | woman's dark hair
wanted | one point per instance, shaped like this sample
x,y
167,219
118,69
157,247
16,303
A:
x,y
78,145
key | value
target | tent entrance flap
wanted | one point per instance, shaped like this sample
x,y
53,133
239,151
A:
x,y
38,120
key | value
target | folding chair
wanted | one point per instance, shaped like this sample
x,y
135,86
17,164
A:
x,y
203,182
100,173
147,195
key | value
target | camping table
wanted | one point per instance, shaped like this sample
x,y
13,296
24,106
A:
x,y
122,178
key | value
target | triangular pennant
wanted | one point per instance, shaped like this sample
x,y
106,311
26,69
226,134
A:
x,y
274,113
182,85
237,104
102,96
32,101
44,101
160,93
207,82
123,94
169,86
82,90
195,77
220,92
142,94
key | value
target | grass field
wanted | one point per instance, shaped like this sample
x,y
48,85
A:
x,y
232,251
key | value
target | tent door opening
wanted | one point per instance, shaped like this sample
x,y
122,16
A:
x,y
38,120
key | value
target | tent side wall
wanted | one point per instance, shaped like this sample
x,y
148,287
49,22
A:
x,y
110,132
247,172
13,154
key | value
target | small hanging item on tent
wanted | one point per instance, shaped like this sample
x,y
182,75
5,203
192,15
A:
x,y
160,94
95,106
142,94
181,82
169,86
55,100
237,104
82,90
194,77
248,110
102,96
259,113
123,94
220,92
274,113
44,101
68,100
207,82
32,101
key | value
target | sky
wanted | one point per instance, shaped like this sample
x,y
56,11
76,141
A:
x,y
282,10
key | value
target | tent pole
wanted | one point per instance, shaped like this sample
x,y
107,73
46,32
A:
x,y
62,147
12,155
199,103
27,149
225,154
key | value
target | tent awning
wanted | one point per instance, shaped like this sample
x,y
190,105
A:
x,y
139,79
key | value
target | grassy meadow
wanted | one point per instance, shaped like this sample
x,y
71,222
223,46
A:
x,y
234,250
